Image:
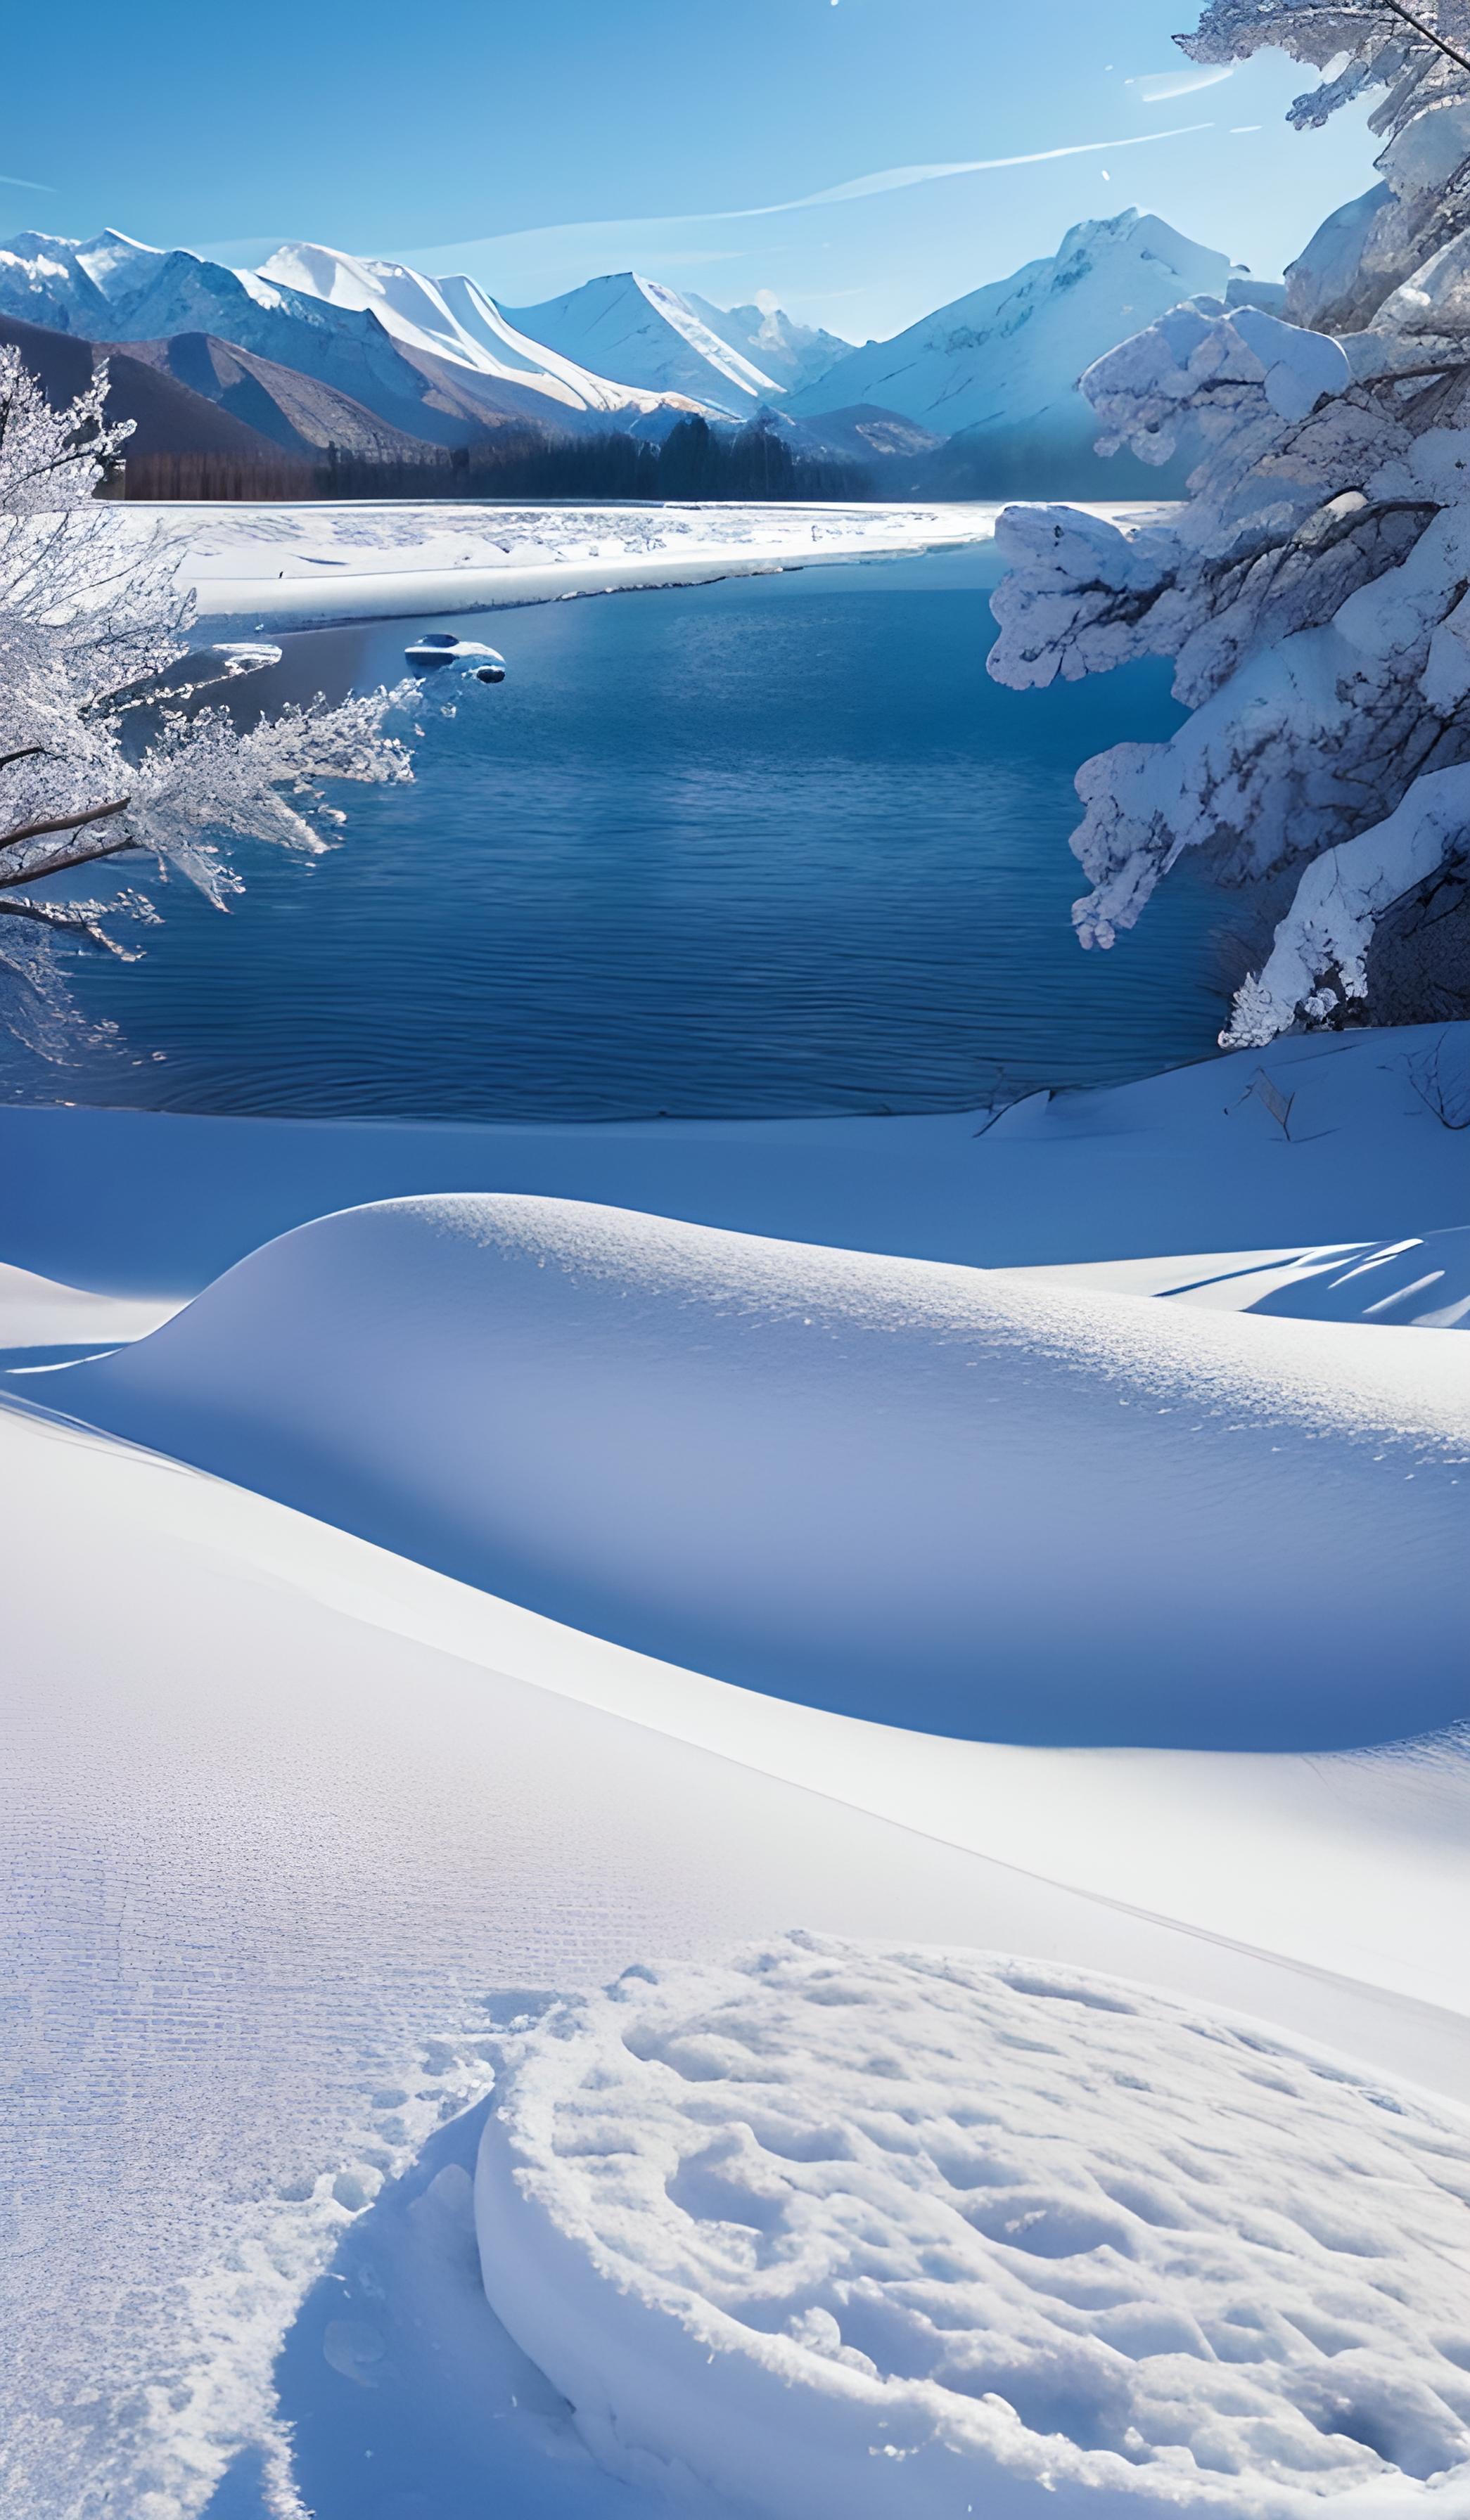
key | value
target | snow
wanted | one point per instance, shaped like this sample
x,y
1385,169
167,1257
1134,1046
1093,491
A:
x,y
452,319
839,1477
648,335
299,567
1422,1281
824,2226
296,1824
791,354
1313,596
1319,954
1009,355
283,1827
364,327
37,1312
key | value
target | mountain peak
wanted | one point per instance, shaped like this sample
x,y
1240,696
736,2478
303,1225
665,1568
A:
x,y
644,334
1007,356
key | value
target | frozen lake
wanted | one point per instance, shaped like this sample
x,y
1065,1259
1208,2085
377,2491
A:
x,y
771,846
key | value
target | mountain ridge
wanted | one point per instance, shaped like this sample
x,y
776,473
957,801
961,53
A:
x,y
1003,360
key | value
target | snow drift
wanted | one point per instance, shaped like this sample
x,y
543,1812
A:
x,y
1422,1282
827,2227
930,1495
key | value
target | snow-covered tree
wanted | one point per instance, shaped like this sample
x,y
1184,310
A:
x,y
104,750
1314,591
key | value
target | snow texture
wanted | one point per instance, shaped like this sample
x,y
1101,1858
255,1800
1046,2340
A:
x,y
289,1819
825,2226
840,1477
296,567
1422,1282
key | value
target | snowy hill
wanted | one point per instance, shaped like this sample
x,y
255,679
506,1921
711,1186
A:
x,y
790,354
648,336
1003,362
435,360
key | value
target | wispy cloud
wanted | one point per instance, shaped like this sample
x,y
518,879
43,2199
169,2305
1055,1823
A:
x,y
901,177
1159,87
890,179
24,184
897,179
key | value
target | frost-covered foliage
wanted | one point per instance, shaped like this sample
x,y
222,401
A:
x,y
1312,592
101,752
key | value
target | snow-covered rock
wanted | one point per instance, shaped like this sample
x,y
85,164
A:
x,y
651,339
947,1499
45,279
790,354
830,2228
1005,360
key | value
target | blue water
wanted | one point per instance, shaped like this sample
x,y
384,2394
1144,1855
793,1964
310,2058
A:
x,y
773,846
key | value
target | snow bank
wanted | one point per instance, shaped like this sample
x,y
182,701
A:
x,y
923,1494
827,2227
296,567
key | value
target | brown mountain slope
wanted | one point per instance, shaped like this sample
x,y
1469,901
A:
x,y
296,412
170,419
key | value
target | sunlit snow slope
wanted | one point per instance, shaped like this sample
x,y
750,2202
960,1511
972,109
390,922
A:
x,y
649,335
452,319
947,1499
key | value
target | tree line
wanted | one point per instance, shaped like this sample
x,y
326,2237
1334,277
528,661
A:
x,y
694,462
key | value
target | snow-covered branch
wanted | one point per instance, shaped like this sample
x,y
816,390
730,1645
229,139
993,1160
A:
x,y
1312,592
103,749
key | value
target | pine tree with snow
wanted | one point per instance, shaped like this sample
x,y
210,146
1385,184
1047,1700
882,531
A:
x,y
1312,592
100,757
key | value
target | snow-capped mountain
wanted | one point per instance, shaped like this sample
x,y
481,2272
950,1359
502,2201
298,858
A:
x,y
447,319
434,359
649,338
1007,358
792,354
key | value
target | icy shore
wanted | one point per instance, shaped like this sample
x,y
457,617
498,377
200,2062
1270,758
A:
x,y
307,566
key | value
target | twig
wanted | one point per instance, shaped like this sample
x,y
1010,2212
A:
x,y
1411,19
62,823
64,862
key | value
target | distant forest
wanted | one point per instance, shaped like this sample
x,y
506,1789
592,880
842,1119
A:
x,y
694,462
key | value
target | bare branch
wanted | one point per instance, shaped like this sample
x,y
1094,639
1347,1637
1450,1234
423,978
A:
x,y
1442,44
63,823
62,862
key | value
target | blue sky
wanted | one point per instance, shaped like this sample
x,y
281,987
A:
x,y
555,138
